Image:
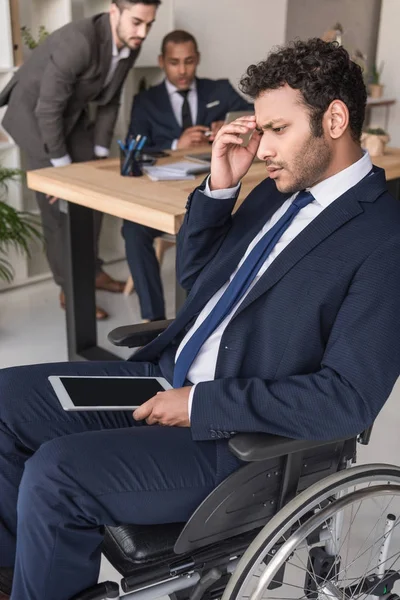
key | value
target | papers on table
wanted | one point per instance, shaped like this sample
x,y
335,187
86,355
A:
x,y
175,171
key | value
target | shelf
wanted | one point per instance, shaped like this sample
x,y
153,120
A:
x,y
380,101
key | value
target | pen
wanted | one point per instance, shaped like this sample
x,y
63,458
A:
x,y
122,146
140,145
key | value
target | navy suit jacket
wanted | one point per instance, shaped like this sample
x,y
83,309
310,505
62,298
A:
x,y
314,349
152,113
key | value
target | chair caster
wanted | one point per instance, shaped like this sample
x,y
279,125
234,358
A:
x,y
108,590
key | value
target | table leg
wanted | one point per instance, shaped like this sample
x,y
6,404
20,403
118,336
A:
x,y
80,284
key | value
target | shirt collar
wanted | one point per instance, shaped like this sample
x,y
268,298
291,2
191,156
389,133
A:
x,y
332,188
123,53
172,89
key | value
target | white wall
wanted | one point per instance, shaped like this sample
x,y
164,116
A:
x,y
359,18
388,51
232,34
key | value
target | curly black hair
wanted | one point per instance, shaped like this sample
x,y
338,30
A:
x,y
321,71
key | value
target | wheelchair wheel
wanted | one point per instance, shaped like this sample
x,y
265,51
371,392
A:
x,y
339,539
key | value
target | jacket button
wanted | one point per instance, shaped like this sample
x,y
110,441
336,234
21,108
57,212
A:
x,y
227,434
213,433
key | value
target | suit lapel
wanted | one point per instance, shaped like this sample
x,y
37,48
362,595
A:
x,y
105,56
233,248
201,103
105,51
165,106
332,218
119,76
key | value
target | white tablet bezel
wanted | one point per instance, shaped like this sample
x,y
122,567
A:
x,y
68,405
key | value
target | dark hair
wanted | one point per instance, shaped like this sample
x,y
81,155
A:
x,y
178,37
321,71
122,3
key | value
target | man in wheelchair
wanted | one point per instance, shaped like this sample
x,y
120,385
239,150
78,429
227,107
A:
x,y
290,328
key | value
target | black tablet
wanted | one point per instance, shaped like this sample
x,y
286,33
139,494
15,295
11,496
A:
x,y
106,393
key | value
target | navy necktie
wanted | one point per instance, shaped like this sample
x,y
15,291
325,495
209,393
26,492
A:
x,y
237,288
186,114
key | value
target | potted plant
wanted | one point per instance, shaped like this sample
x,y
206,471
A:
x,y
361,60
28,38
17,229
374,140
334,35
375,88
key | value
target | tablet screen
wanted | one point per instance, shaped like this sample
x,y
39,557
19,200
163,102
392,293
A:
x,y
110,391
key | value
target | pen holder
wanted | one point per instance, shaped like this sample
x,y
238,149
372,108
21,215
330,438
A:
x,y
129,165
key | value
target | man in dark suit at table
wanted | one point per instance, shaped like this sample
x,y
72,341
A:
x,y
176,114
291,327
48,99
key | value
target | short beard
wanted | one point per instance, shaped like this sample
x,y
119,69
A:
x,y
119,35
310,164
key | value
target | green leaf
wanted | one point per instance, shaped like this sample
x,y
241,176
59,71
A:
x,y
18,230
375,131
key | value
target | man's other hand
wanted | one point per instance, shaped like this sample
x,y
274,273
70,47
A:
x,y
193,136
51,199
170,408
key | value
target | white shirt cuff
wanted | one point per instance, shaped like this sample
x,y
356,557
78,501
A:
x,y
101,152
174,145
227,193
63,161
190,401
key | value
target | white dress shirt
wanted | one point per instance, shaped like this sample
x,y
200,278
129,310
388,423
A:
x,y
326,192
177,100
99,151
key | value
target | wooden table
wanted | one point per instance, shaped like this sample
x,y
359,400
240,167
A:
x,y
98,185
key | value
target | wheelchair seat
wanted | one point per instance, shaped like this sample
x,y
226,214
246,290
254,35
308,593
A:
x,y
274,470
129,547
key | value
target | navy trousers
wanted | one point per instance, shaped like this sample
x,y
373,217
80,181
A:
x,y
63,475
144,267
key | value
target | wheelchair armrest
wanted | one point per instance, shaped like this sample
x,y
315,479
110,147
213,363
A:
x,y
137,335
251,447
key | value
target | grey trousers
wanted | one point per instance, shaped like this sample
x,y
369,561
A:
x,y
80,144
54,239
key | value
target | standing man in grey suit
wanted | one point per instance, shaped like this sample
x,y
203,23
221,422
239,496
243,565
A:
x,y
48,105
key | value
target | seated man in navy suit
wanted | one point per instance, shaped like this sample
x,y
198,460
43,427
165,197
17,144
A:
x,y
291,327
177,113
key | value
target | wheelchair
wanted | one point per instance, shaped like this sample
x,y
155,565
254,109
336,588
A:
x,y
277,528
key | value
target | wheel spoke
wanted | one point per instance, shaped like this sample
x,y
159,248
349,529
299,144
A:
x,y
353,537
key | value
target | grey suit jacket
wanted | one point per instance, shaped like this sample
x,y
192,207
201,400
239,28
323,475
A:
x,y
51,92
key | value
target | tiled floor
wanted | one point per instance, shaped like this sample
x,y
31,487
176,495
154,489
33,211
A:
x,y
32,329
32,325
